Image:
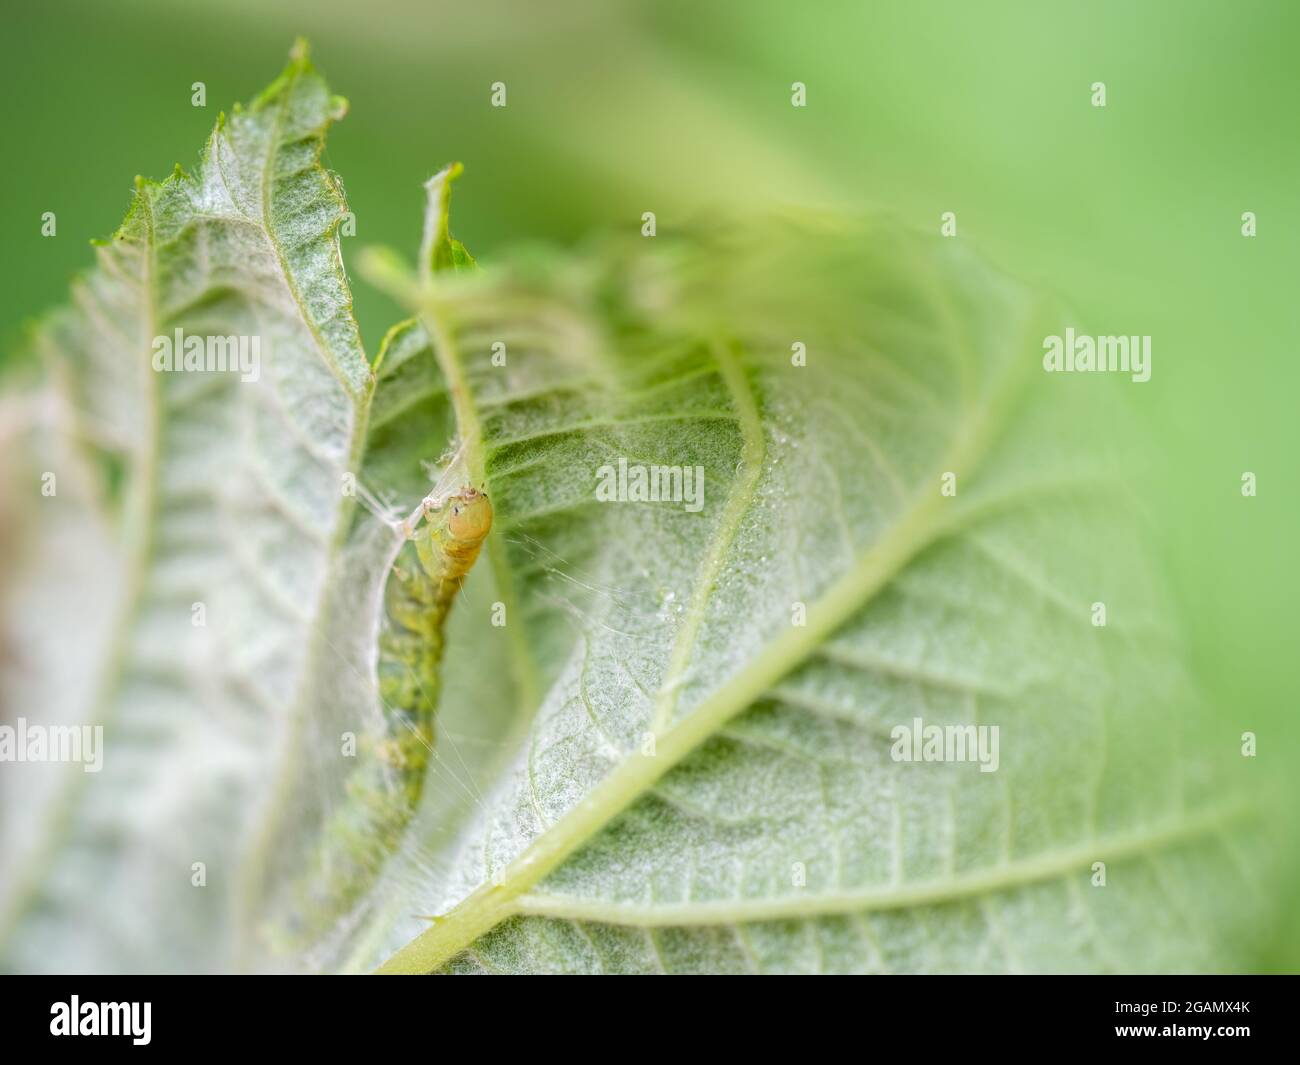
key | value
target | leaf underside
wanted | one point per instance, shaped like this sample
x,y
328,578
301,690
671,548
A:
x,y
675,755
771,830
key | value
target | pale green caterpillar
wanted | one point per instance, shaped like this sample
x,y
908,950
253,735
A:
x,y
418,599
443,539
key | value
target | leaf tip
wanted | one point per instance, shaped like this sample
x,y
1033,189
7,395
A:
x,y
446,175
439,250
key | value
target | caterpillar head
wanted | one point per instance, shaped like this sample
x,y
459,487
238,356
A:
x,y
469,515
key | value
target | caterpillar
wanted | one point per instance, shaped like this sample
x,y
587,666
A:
x,y
443,538
418,600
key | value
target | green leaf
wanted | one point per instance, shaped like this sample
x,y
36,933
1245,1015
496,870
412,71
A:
x,y
667,733
705,783
440,250
220,738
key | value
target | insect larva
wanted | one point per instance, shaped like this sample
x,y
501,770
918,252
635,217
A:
x,y
444,538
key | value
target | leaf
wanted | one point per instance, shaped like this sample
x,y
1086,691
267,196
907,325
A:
x,y
440,250
232,500
676,754
705,784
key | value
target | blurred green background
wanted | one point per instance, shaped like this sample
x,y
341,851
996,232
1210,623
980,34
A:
x,y
1130,212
